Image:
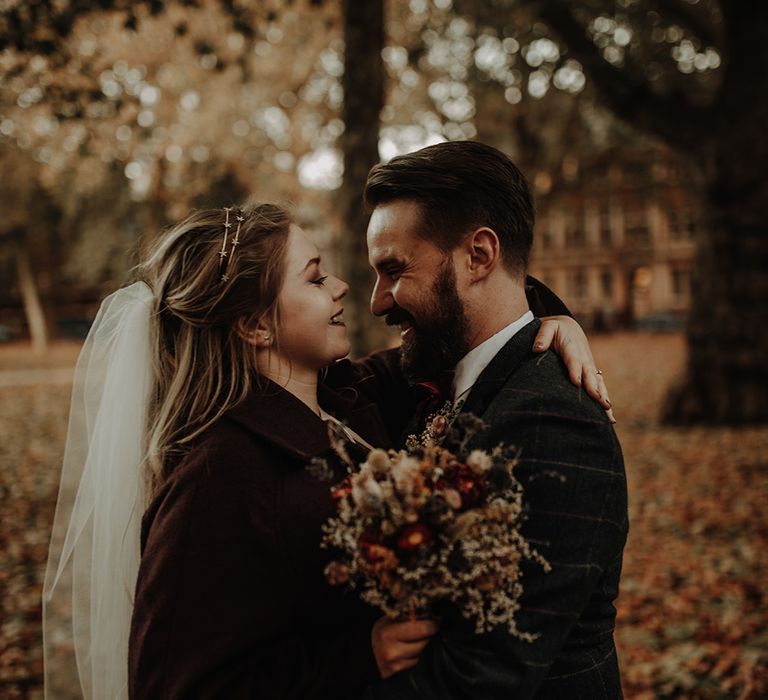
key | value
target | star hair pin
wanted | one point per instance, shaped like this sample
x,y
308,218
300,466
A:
x,y
226,255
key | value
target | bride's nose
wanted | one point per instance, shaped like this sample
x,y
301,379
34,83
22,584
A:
x,y
340,288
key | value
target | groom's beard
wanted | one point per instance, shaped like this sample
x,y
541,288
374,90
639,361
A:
x,y
439,338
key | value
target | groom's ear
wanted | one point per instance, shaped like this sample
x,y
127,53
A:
x,y
257,333
482,253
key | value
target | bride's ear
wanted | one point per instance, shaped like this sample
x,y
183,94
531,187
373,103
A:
x,y
259,335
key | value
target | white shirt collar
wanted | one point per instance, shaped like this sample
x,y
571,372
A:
x,y
477,359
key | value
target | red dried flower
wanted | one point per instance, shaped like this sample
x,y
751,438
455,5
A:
x,y
470,490
379,557
413,536
342,490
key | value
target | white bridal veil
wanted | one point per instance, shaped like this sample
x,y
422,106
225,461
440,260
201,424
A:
x,y
94,552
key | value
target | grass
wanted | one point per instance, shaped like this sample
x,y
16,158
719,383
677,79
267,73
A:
x,y
693,615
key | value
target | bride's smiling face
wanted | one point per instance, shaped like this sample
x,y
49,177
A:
x,y
312,333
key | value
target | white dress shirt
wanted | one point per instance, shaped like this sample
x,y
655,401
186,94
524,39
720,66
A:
x,y
477,359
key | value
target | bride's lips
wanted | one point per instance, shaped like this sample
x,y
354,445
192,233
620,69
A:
x,y
336,319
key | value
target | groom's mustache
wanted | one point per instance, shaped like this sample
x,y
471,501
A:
x,y
398,316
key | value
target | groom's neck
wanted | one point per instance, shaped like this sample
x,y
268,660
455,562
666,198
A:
x,y
492,307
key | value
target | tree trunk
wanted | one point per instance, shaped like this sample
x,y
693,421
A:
x,y
726,379
33,309
363,85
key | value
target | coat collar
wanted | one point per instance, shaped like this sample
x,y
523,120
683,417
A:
x,y
277,416
493,377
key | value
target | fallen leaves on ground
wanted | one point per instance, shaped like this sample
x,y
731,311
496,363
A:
x,y
693,620
693,615
32,434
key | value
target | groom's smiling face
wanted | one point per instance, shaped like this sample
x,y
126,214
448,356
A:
x,y
416,290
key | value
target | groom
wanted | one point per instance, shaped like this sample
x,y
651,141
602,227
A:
x,y
449,238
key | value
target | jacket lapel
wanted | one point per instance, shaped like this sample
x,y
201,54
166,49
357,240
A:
x,y
494,376
277,416
340,394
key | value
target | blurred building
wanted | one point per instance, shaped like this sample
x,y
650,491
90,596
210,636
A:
x,y
614,237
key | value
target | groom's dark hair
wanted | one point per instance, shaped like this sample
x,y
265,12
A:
x,y
459,186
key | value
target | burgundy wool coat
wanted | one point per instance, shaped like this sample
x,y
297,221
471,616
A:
x,y
231,600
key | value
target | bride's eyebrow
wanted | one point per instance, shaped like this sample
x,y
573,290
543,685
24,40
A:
x,y
313,261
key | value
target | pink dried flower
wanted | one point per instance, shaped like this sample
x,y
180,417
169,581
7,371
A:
x,y
452,498
336,573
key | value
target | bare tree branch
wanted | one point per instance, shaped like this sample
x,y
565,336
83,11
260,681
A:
x,y
692,18
625,90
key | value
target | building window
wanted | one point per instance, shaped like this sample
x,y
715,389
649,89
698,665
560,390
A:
x,y
681,224
574,238
638,236
606,235
637,231
606,284
676,229
577,284
680,282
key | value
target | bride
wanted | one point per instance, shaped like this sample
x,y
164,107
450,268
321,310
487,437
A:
x,y
185,557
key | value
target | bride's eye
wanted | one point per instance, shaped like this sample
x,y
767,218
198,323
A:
x,y
320,281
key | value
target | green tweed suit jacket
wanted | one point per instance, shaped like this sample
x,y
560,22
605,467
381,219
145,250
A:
x,y
572,470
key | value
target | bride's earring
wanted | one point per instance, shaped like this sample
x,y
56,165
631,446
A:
x,y
259,336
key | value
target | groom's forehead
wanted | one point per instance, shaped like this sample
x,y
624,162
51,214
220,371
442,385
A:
x,y
383,253
386,253
396,227
396,216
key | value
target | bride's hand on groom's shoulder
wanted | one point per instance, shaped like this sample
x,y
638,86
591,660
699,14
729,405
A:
x,y
397,645
567,338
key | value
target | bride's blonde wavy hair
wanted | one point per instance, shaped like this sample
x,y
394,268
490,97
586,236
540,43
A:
x,y
203,365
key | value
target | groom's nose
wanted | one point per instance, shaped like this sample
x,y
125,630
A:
x,y
381,298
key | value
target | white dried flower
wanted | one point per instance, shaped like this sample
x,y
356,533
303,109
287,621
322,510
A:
x,y
366,493
378,460
460,527
404,472
479,462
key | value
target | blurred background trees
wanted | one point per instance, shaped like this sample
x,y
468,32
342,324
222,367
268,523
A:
x,y
117,117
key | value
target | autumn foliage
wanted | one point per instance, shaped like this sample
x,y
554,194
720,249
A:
x,y
693,615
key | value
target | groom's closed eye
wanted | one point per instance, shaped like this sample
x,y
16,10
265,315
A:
x,y
390,267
